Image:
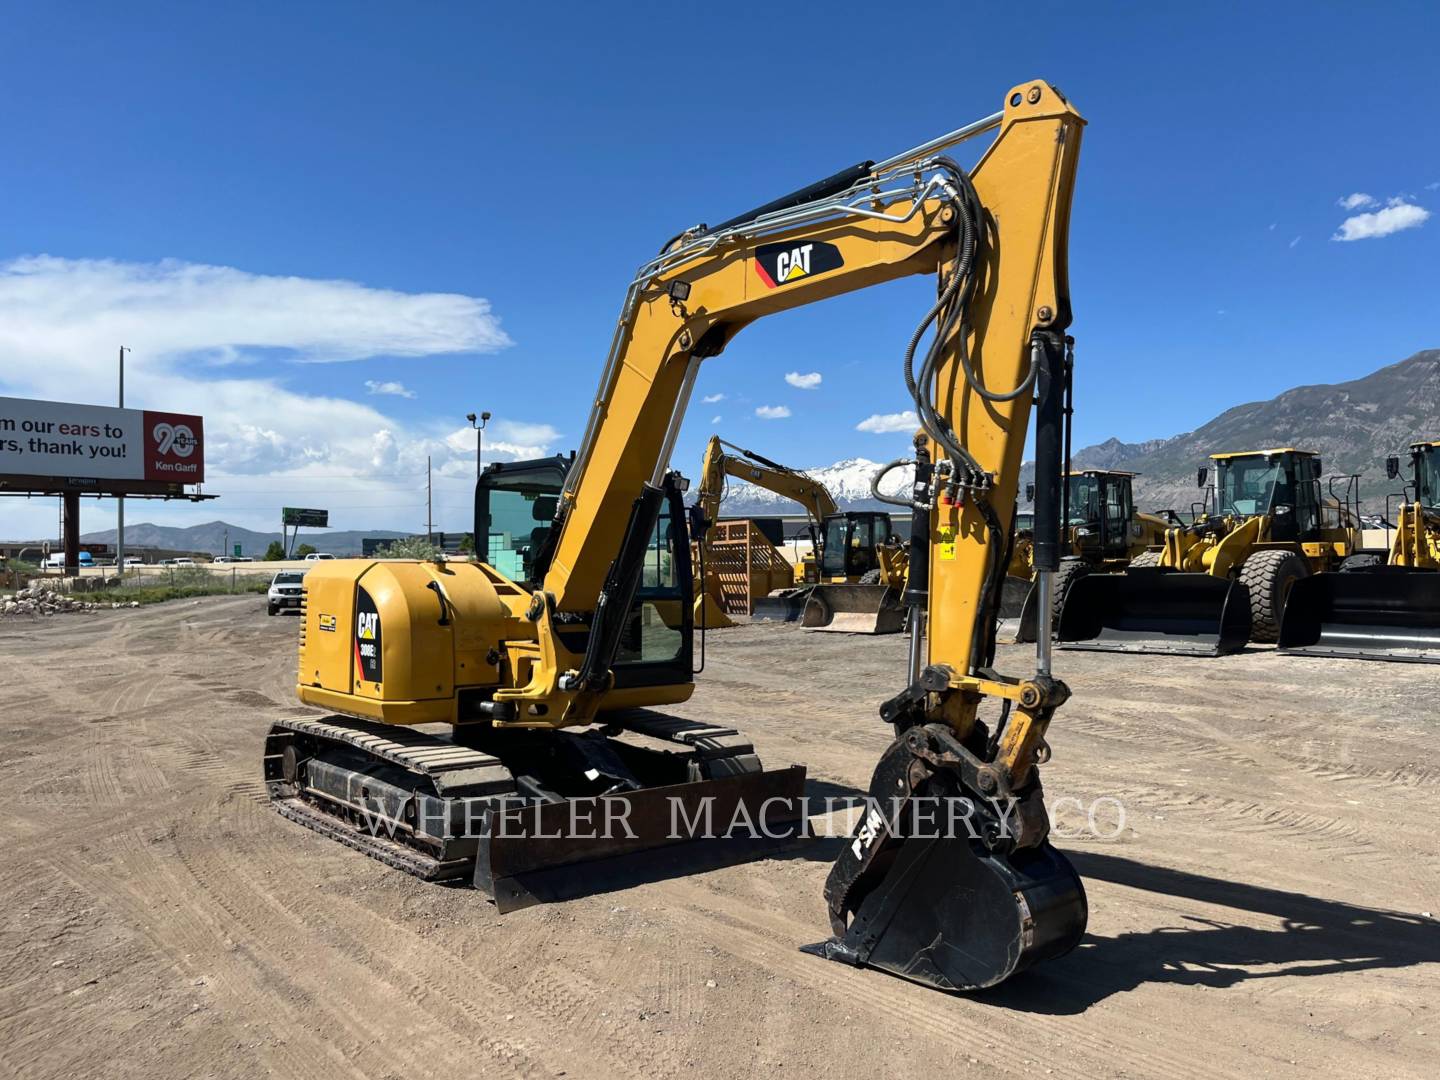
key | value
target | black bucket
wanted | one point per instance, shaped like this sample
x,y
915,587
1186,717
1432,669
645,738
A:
x,y
787,605
950,915
1386,613
1150,610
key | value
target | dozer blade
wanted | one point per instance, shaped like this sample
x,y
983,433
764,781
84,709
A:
x,y
953,916
709,615
533,816
787,605
854,609
1149,610
1387,613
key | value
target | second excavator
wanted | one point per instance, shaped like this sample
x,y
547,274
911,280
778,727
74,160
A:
x,y
550,690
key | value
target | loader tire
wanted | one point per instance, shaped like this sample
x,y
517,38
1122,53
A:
x,y
1268,575
1146,558
870,577
1071,570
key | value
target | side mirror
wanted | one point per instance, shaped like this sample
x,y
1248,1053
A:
x,y
1392,468
1201,476
1030,493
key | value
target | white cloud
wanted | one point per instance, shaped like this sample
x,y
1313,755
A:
x,y
1295,241
390,389
61,321
1396,217
711,399
772,412
506,439
807,381
1433,187
889,423
1355,201
1272,225
716,419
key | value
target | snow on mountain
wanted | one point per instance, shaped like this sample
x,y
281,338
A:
x,y
848,482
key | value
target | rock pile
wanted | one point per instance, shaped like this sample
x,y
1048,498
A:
x,y
45,599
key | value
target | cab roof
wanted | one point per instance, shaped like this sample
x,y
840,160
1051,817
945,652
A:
x,y
1100,472
1262,453
1432,444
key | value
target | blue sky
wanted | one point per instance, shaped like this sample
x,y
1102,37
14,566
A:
x,y
284,209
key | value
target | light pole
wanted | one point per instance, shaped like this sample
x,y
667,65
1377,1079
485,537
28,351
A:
x,y
120,499
479,437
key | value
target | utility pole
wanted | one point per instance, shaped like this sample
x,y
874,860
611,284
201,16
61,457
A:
x,y
429,523
120,499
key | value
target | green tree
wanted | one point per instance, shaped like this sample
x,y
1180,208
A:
x,y
411,547
467,544
303,550
274,553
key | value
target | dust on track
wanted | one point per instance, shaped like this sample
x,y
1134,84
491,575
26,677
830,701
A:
x,y
1259,913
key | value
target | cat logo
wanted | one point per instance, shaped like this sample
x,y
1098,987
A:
x,y
327,623
781,264
368,621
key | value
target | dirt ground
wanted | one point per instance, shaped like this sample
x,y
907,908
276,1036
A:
x,y
1263,911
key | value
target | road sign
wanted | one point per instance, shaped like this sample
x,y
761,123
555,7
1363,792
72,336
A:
x,y
237,551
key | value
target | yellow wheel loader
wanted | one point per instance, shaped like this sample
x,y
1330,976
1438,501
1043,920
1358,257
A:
x,y
1104,532
508,726
1384,608
1223,580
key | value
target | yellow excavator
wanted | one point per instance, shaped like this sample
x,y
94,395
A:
x,y
1222,581
722,460
852,580
1382,608
553,688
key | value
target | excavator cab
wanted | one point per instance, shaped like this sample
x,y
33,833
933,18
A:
x,y
849,550
1101,508
1380,609
515,504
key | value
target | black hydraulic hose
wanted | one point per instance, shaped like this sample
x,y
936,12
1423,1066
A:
x,y
890,499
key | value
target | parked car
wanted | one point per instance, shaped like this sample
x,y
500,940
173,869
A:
x,y
131,563
318,556
56,560
286,589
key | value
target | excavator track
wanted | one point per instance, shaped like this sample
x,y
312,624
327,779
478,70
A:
x,y
426,805
316,773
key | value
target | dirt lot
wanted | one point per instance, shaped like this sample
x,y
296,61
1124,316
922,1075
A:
x,y
1260,913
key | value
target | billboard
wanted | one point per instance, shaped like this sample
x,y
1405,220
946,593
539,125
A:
x,y
315,519
96,442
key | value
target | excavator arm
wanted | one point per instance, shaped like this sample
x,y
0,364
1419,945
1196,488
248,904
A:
x,y
763,473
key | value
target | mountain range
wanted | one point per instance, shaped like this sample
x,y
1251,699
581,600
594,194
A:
x,y
214,535
1353,425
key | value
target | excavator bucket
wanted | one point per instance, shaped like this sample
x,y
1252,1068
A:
x,y
854,609
952,916
1016,623
787,605
1386,613
1149,610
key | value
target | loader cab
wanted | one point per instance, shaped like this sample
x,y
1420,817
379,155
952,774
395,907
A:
x,y
1426,458
1102,506
515,505
850,542
1283,485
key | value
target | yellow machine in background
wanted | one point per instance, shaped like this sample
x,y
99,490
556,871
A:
x,y
1103,534
1223,581
537,678
1384,608
751,467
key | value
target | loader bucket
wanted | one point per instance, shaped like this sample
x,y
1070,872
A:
x,y
854,609
787,605
1388,613
709,615
953,916
1149,610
